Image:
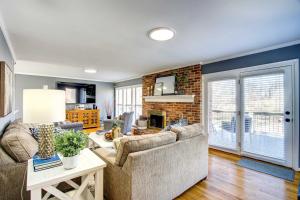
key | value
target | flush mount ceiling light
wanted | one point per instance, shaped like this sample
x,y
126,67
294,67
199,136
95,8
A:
x,y
90,70
161,34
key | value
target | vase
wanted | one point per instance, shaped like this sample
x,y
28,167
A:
x,y
70,162
46,141
108,116
116,132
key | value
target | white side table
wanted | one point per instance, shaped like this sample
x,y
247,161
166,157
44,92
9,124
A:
x,y
100,141
90,166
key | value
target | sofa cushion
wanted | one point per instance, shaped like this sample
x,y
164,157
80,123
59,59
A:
x,y
18,142
132,144
185,132
4,158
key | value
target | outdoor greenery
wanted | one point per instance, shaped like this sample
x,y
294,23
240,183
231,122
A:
x,y
70,143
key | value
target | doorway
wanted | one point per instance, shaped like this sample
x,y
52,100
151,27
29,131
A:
x,y
250,111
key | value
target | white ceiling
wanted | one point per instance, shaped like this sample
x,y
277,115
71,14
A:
x,y
61,37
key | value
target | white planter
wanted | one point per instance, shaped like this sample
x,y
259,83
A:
x,y
70,162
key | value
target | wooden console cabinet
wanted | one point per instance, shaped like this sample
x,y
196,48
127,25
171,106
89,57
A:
x,y
90,118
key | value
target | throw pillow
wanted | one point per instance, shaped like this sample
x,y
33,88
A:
x,y
35,133
18,142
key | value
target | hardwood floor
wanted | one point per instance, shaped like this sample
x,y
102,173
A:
x,y
228,181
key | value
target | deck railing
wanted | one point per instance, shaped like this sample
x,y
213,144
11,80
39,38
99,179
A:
x,y
254,122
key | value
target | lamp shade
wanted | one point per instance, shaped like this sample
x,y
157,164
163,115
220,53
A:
x,y
43,106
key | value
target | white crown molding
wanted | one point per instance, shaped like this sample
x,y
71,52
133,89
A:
x,y
66,77
172,68
158,71
251,52
7,38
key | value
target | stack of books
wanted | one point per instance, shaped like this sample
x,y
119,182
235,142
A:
x,y
40,164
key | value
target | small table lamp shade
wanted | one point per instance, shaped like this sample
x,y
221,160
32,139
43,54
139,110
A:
x,y
43,106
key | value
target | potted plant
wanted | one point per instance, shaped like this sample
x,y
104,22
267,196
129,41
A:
x,y
69,144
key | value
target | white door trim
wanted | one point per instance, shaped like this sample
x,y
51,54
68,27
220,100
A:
x,y
235,74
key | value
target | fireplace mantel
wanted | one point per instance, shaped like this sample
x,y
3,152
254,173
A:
x,y
171,98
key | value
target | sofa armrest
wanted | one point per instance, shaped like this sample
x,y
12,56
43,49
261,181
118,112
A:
x,y
117,184
13,181
107,154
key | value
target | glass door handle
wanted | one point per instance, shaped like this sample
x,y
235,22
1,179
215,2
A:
x,y
287,112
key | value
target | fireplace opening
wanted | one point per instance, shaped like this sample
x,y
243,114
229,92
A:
x,y
156,119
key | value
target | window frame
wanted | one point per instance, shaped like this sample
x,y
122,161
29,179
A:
x,y
126,105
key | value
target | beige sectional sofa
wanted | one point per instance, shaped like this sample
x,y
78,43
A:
x,y
17,145
159,166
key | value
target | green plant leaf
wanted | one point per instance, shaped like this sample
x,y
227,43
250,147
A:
x,y
70,143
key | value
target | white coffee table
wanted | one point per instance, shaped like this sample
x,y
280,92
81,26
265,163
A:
x,y
100,141
90,168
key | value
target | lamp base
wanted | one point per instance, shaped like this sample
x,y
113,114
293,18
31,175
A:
x,y
46,141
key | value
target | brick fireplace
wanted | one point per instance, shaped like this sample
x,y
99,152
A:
x,y
157,119
176,110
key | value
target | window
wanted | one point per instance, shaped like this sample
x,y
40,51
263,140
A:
x,y
129,99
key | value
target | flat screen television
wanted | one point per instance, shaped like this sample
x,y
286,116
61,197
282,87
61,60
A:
x,y
78,93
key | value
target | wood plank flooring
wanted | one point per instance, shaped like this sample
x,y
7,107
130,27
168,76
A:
x,y
228,181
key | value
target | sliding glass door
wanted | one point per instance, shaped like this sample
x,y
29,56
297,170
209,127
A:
x,y
266,112
222,113
250,112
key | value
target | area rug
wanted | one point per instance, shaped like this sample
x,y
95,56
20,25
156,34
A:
x,y
274,170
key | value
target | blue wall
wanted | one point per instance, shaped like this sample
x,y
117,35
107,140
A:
x,y
277,55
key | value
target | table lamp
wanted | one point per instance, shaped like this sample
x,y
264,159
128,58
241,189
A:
x,y
44,106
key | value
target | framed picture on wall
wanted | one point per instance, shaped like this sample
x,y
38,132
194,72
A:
x,y
158,87
6,89
168,84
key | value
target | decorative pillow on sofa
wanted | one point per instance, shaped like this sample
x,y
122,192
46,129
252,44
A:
x,y
185,132
18,142
132,144
35,132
